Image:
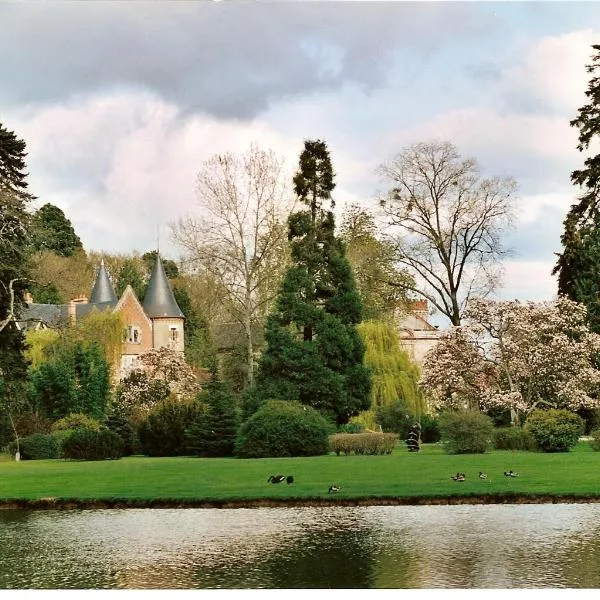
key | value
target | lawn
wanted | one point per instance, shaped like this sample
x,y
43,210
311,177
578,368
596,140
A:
x,y
400,475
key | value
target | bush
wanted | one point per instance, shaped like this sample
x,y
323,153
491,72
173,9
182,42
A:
x,y
77,421
162,433
351,428
430,429
120,425
363,443
38,446
591,417
513,438
394,418
595,441
555,430
283,428
29,423
466,432
86,444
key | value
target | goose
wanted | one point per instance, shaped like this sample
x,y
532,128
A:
x,y
334,488
482,475
510,473
276,479
459,477
289,479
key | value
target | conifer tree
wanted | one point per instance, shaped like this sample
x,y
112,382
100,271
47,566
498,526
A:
x,y
51,230
129,274
578,267
314,353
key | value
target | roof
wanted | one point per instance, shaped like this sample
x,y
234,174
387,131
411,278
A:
x,y
53,315
103,290
159,300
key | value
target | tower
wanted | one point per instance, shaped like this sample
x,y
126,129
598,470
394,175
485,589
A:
x,y
103,290
161,308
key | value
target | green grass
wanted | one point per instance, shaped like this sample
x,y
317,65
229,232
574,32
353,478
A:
x,y
401,474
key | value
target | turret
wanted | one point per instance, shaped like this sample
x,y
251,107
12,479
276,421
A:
x,y
103,290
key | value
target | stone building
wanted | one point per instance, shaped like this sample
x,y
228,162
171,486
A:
x,y
417,334
156,323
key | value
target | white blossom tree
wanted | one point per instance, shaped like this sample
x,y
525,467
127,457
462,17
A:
x,y
516,355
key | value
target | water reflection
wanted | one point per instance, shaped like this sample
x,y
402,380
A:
x,y
375,547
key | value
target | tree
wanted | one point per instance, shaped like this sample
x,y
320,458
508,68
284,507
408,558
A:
x,y
373,262
51,230
239,240
518,356
129,274
214,432
449,223
578,267
314,353
170,266
13,178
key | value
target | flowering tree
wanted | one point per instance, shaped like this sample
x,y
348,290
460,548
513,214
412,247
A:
x,y
170,367
516,355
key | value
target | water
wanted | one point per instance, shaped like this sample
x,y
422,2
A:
x,y
513,546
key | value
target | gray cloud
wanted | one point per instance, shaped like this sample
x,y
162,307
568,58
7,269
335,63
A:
x,y
230,60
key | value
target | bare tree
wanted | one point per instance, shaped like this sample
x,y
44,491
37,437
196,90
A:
x,y
447,223
238,237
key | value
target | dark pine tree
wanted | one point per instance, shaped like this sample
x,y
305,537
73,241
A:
x,y
52,231
129,274
314,353
578,266
213,433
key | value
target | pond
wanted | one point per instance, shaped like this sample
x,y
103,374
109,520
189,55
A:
x,y
474,546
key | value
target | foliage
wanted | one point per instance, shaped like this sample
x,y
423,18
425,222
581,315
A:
x,y
170,266
555,430
39,446
591,418
121,426
394,376
87,444
239,238
28,423
282,428
430,429
169,366
382,286
163,431
578,267
595,441
449,222
516,355
365,419
129,274
363,443
52,231
394,417
465,432
314,353
37,341
76,379
215,430
351,428
513,438
13,175
76,421
137,393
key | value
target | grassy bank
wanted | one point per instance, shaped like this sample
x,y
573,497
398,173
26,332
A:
x,y
401,475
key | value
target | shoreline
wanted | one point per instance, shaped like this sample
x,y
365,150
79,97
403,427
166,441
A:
x,y
124,503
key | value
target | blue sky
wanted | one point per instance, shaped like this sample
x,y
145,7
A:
x,y
120,103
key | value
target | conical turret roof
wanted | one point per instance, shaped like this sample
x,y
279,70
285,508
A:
x,y
159,300
103,290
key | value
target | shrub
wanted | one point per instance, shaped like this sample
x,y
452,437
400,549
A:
x,y
351,428
513,438
86,444
394,418
465,432
77,421
555,430
162,433
595,441
283,428
120,425
29,423
363,443
38,446
430,429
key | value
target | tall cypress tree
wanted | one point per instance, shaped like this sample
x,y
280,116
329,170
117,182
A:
x,y
314,353
578,266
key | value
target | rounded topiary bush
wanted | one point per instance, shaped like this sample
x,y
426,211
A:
x,y
555,430
38,446
86,444
163,431
281,428
466,432
513,438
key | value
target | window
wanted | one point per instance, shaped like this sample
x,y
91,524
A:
x,y
134,334
174,334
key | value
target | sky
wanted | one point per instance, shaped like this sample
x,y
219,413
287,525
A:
x,y
120,103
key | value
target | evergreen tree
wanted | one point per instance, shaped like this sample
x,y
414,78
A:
x,y
578,267
13,178
170,266
214,432
314,353
51,230
129,274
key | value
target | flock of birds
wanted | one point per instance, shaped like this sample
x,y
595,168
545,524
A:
x,y
290,479
463,477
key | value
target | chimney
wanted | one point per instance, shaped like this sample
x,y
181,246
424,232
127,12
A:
x,y
72,311
420,309
81,299
28,298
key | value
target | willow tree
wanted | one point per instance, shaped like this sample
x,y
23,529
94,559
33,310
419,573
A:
x,y
394,376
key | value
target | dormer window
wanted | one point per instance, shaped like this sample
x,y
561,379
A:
x,y
134,334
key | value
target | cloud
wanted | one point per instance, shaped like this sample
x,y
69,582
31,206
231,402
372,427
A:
x,y
530,280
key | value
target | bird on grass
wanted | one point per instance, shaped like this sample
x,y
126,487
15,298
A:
x,y
482,475
334,488
510,473
289,479
459,477
276,479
